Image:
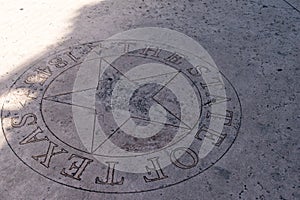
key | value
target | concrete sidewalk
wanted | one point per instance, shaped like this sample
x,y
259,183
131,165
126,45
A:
x,y
254,47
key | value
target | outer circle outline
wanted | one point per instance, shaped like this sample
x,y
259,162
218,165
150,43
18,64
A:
x,y
107,192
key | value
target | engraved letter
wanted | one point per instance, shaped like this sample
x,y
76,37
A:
x,y
58,62
217,82
228,116
217,99
213,135
110,180
32,137
156,167
77,52
50,153
174,58
198,70
155,51
75,170
126,46
179,163
25,119
193,71
41,76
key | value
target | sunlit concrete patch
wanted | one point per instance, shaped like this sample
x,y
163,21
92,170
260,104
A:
x,y
33,19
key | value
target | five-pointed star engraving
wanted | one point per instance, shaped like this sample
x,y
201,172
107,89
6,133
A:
x,y
83,102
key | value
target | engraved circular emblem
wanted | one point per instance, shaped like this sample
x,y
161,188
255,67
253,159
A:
x,y
143,110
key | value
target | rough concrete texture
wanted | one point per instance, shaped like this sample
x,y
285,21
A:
x,y
255,44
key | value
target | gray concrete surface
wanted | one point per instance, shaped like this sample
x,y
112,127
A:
x,y
255,44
